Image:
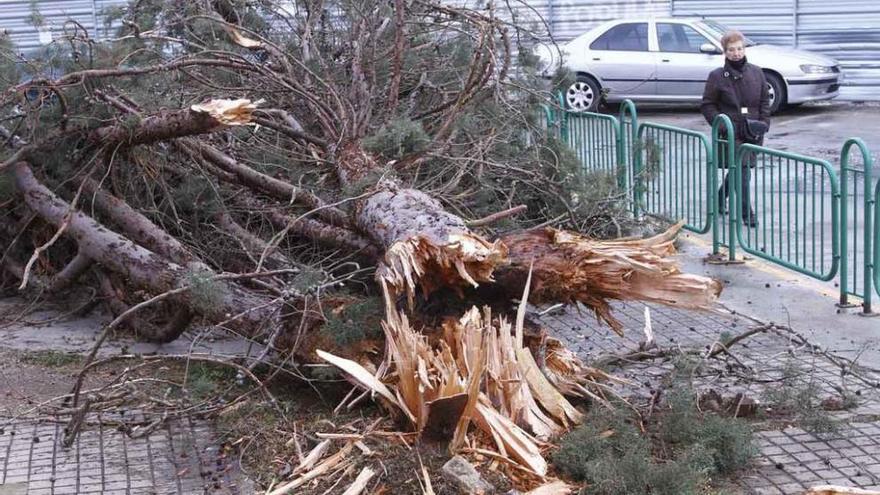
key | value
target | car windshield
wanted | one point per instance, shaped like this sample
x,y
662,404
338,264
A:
x,y
717,30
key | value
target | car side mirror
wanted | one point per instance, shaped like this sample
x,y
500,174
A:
x,y
709,49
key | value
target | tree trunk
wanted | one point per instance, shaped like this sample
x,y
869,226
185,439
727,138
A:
x,y
143,268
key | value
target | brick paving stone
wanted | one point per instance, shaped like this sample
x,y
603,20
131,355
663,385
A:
x,y
104,461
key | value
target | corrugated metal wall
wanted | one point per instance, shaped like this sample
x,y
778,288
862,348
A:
x,y
848,30
566,19
16,19
573,17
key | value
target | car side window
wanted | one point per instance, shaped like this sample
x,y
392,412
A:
x,y
679,38
632,37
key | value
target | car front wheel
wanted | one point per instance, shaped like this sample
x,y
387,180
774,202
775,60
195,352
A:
x,y
777,92
583,95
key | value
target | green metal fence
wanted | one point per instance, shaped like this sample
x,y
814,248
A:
x,y
876,240
723,154
807,219
629,136
796,200
855,219
594,138
674,168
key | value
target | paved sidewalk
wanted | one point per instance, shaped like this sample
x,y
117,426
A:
x,y
180,458
791,459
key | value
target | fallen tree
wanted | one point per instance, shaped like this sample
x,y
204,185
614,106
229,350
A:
x,y
361,144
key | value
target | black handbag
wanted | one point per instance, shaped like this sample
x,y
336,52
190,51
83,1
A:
x,y
755,130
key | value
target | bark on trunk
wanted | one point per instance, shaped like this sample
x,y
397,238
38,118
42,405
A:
x,y
199,119
142,267
137,227
68,275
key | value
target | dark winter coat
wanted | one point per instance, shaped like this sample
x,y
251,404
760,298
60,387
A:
x,y
728,90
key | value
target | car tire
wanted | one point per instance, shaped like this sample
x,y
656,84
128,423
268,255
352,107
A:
x,y
777,92
583,95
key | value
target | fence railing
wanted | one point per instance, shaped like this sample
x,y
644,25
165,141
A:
x,y
674,168
876,240
856,221
595,139
799,215
723,155
796,202
629,135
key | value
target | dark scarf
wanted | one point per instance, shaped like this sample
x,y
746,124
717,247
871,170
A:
x,y
737,66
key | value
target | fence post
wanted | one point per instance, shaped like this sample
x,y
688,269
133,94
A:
x,y
730,157
563,118
629,108
869,199
876,251
844,222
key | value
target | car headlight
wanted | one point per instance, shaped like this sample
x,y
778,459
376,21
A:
x,y
816,69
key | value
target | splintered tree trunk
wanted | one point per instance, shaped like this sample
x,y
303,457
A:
x,y
141,267
424,245
571,268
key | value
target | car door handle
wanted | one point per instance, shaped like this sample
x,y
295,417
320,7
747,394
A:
x,y
596,59
665,60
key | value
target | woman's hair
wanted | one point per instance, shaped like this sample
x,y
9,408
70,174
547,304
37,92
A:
x,y
731,37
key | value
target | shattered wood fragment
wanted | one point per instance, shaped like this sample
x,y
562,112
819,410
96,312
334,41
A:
x,y
839,490
323,468
360,482
548,396
242,40
516,442
444,415
572,268
552,488
228,112
360,374
312,457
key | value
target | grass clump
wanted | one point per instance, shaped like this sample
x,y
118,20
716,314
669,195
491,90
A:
x,y
206,379
50,358
799,397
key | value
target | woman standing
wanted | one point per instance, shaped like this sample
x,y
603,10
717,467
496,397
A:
x,y
738,90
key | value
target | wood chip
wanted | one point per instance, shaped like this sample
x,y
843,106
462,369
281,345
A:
x,y
361,375
552,488
324,467
312,457
339,436
839,490
360,482
228,112
363,448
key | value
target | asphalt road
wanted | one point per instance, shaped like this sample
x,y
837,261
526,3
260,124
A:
x,y
817,130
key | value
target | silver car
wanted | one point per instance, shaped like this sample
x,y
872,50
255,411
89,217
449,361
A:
x,y
669,59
